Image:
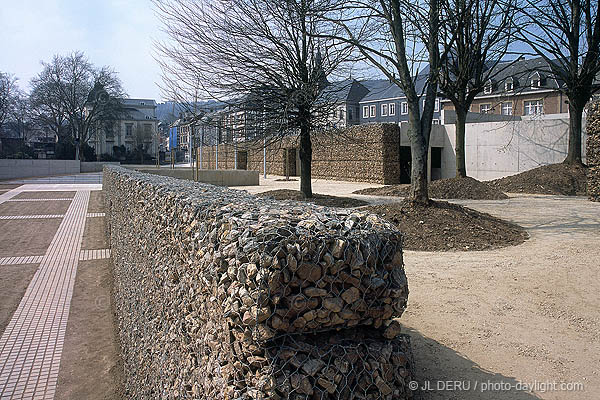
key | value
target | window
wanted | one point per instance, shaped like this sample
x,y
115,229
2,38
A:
x,y
509,85
147,117
507,108
384,110
392,109
349,114
341,114
372,111
142,103
147,129
487,89
365,111
534,107
435,121
404,108
485,108
536,80
436,105
128,129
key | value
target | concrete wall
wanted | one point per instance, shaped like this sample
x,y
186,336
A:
x,y
12,169
498,149
223,295
220,177
96,166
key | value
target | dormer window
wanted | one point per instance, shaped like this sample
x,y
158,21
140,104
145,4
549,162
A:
x,y
487,89
536,81
509,85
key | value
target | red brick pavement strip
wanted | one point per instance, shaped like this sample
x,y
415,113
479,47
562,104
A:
x,y
31,345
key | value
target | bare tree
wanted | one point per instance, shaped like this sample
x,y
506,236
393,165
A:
x,y
480,32
10,94
260,57
566,34
401,39
71,90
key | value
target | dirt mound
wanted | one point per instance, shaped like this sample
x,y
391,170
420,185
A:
x,y
444,226
319,199
453,188
556,179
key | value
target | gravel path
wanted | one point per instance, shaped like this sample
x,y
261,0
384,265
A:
x,y
522,314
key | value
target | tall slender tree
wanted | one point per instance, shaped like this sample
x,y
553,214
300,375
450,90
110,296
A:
x,y
566,34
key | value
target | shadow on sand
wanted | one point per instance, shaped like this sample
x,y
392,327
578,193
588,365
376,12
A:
x,y
440,366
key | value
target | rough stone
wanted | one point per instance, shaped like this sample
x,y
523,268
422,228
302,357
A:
x,y
593,151
211,305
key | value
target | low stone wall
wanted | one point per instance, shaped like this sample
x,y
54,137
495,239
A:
x,y
222,177
223,295
593,151
362,153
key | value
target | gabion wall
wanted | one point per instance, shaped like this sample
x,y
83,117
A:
x,y
222,295
365,153
593,151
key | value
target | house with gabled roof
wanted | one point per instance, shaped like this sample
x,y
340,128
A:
x,y
523,87
386,102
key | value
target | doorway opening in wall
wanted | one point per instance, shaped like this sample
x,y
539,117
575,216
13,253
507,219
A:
x,y
242,160
436,163
405,164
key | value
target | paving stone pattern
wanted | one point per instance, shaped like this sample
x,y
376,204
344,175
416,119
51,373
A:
x,y
44,216
21,260
32,343
593,152
99,254
223,295
95,215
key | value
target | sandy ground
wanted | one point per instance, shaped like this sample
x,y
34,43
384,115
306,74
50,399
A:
x,y
93,234
91,367
498,320
96,203
45,195
30,237
14,280
518,315
54,207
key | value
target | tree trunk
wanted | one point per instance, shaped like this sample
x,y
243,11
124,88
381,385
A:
x,y
461,120
305,159
419,193
575,127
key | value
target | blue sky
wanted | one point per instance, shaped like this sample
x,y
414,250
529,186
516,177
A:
x,y
118,33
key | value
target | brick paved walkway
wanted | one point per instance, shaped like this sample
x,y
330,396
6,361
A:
x,y
32,343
